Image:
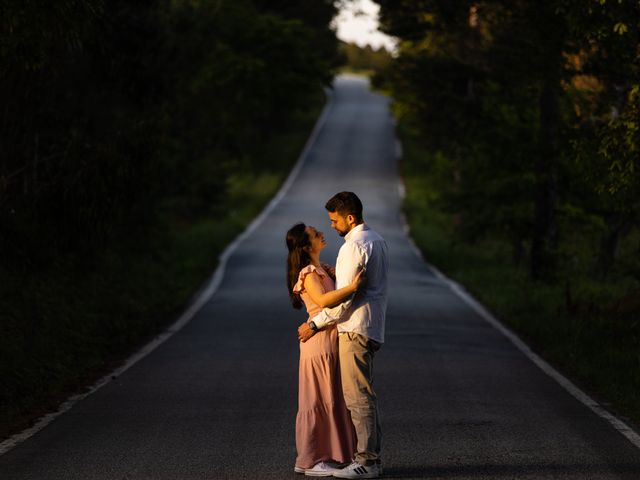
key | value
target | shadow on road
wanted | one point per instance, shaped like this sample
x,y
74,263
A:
x,y
537,471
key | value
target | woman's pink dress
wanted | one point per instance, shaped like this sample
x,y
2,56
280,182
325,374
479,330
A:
x,y
324,431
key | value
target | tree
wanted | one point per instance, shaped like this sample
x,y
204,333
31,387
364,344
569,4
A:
x,y
100,98
514,93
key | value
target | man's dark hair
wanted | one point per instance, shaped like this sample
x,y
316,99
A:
x,y
346,203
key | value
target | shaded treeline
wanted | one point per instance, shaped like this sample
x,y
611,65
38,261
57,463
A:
x,y
112,111
365,58
520,127
137,138
532,109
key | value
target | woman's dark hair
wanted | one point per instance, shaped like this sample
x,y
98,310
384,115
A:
x,y
298,258
345,203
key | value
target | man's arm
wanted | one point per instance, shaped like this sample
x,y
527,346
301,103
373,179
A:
x,y
351,259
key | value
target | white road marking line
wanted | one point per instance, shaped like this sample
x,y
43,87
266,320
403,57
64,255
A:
x,y
569,386
197,303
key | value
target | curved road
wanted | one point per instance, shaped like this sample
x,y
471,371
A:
x,y
218,399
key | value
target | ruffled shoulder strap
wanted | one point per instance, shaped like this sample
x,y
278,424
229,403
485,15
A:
x,y
299,286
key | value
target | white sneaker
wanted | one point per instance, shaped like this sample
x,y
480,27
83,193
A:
x,y
298,469
320,469
356,470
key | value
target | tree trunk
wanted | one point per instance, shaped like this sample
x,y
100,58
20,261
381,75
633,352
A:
x,y
608,249
544,226
517,250
617,228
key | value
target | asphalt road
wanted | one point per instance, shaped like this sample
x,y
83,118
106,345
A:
x,y
218,399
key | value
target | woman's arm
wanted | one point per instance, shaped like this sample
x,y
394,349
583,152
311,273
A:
x,y
351,259
314,288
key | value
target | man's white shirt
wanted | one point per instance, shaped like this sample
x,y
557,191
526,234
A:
x,y
363,313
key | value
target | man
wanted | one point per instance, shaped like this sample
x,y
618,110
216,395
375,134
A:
x,y
360,327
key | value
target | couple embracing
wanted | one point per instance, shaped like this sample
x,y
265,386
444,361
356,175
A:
x,y
337,425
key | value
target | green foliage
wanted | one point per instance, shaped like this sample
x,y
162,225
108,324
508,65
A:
x,y
115,110
519,122
588,328
365,58
536,109
137,139
608,35
619,147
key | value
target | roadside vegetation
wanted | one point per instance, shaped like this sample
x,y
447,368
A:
x,y
520,125
363,60
138,139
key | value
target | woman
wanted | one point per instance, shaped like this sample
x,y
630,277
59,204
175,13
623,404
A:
x,y
324,432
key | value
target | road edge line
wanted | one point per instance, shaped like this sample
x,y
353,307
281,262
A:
x,y
476,306
196,303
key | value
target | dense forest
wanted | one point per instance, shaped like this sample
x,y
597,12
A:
x,y
112,109
521,127
535,107
137,139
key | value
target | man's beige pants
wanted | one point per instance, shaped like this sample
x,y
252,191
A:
x,y
356,370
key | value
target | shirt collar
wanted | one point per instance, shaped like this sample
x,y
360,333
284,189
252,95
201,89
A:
x,y
354,230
